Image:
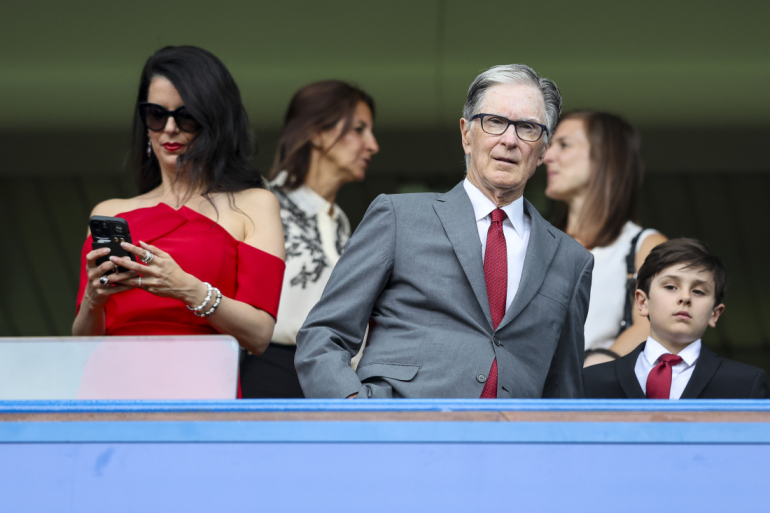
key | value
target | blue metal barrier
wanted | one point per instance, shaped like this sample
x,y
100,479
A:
x,y
375,465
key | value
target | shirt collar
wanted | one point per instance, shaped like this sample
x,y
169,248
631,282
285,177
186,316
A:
x,y
483,206
653,350
309,201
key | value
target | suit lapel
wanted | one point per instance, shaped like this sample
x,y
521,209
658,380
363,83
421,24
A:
x,y
540,252
705,367
626,374
456,214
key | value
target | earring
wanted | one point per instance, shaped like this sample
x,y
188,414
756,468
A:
x,y
149,146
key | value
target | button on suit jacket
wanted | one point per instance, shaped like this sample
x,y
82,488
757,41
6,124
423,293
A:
x,y
414,268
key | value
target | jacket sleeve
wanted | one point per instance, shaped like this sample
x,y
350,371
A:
x,y
335,328
760,388
565,378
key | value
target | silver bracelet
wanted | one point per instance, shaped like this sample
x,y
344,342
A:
x,y
205,301
214,307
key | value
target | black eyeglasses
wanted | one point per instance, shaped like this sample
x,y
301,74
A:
x,y
497,125
155,117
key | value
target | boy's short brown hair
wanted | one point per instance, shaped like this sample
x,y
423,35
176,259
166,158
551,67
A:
x,y
690,252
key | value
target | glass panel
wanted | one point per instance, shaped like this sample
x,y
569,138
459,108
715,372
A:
x,y
187,367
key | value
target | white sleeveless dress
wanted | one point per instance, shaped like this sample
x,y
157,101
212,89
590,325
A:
x,y
608,288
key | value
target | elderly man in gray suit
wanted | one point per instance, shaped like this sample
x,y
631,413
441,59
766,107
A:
x,y
467,294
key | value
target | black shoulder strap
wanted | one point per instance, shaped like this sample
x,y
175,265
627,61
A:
x,y
628,317
631,257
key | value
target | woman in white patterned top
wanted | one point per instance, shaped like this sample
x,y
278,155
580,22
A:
x,y
326,142
595,168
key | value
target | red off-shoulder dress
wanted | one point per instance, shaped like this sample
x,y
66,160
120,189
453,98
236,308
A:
x,y
202,248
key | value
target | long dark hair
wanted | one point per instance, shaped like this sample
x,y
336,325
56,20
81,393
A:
x,y
616,178
315,108
218,158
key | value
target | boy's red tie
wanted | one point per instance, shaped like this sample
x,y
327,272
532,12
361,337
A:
x,y
659,378
496,276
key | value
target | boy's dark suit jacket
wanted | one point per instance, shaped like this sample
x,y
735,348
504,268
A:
x,y
714,377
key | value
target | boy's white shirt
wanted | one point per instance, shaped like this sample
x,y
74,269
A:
x,y
680,373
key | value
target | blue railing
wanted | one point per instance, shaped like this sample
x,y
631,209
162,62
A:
x,y
413,405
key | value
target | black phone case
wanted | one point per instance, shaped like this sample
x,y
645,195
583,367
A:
x,y
110,232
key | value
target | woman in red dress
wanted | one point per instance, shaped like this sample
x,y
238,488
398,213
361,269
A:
x,y
208,235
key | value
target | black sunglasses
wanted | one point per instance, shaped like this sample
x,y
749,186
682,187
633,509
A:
x,y
155,117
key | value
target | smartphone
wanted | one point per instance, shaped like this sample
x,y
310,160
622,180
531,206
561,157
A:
x,y
109,232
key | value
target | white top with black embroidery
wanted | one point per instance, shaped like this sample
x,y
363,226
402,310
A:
x,y
314,241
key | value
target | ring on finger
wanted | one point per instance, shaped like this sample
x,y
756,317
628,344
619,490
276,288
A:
x,y
104,280
147,258
140,281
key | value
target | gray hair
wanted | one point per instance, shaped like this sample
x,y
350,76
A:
x,y
515,74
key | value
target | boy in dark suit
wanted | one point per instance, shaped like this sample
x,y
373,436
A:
x,y
679,289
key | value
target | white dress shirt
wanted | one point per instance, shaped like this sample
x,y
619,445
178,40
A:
x,y
680,373
516,229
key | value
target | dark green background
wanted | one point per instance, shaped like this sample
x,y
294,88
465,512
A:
x,y
693,76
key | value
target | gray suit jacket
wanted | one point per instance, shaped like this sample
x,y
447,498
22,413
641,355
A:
x,y
414,267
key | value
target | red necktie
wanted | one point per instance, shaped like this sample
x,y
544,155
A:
x,y
496,276
659,378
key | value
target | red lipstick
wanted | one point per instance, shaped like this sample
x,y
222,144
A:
x,y
173,146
